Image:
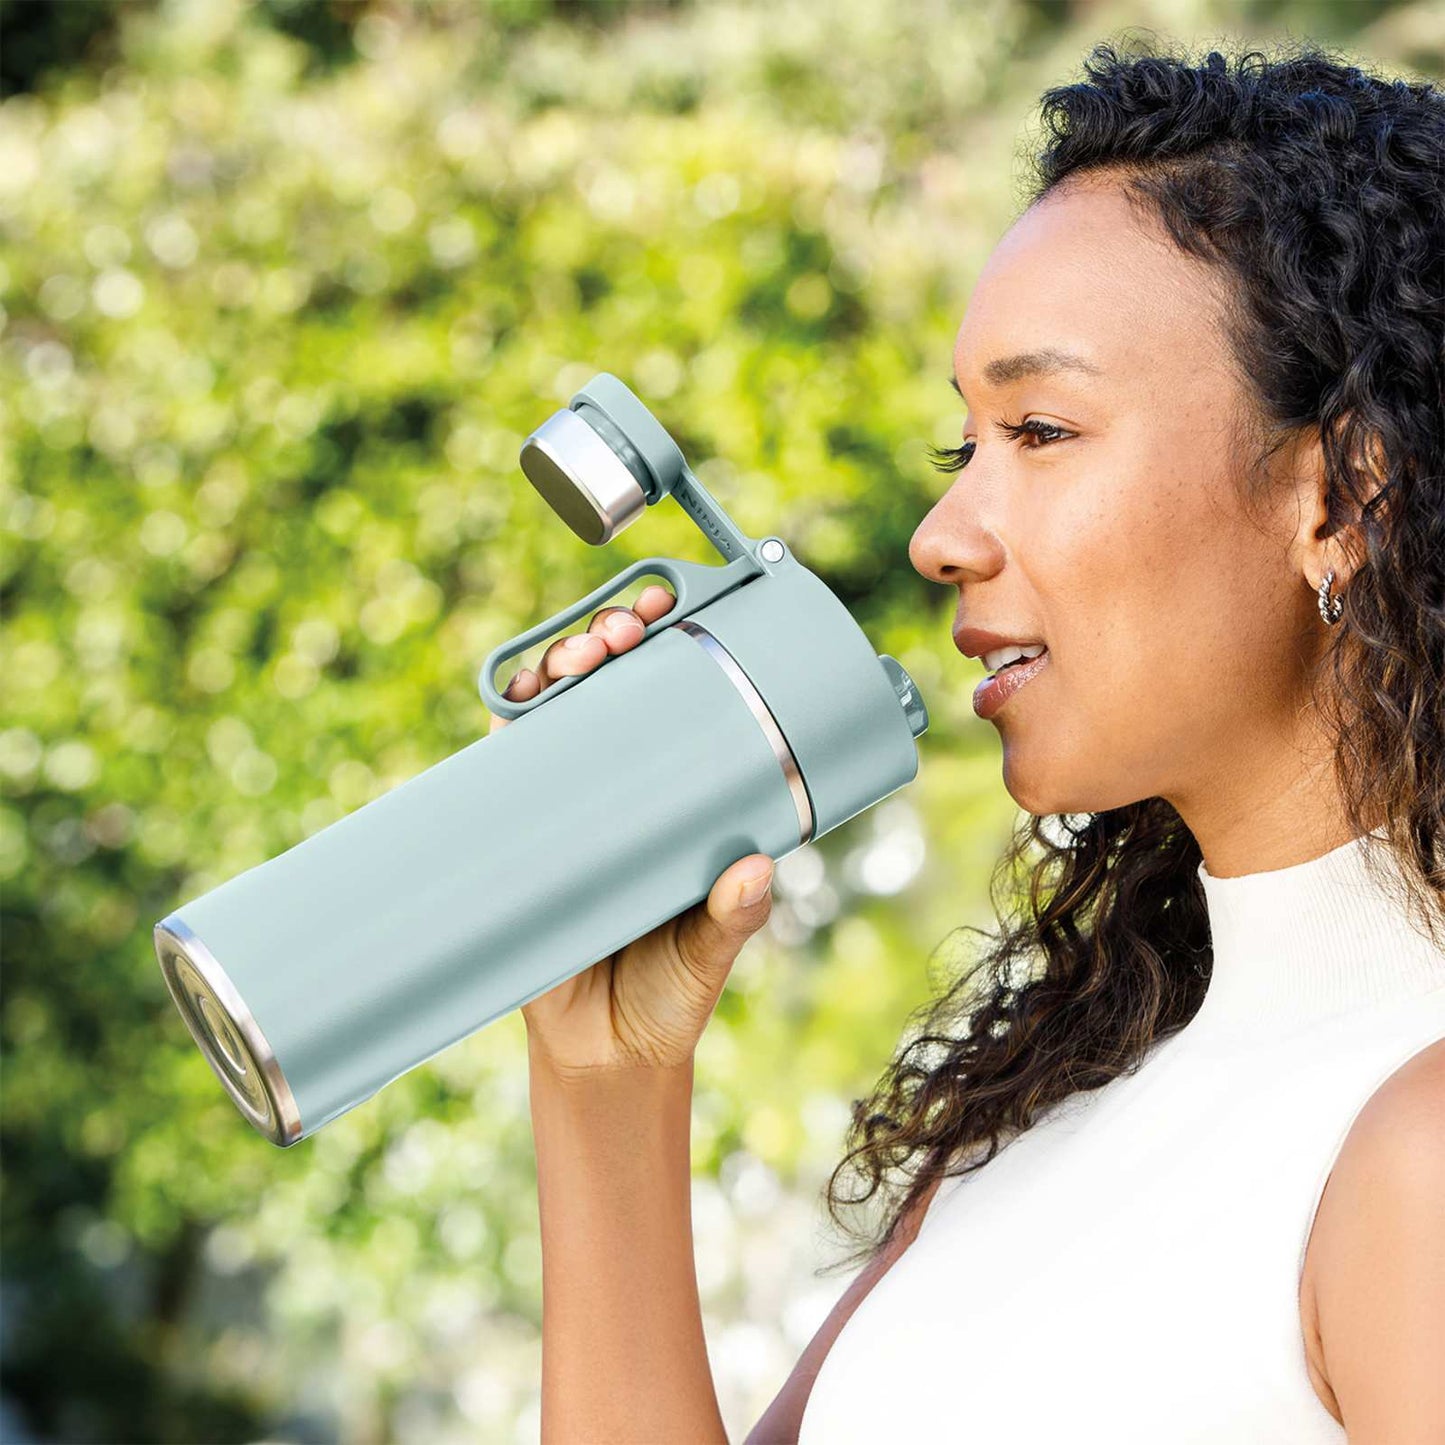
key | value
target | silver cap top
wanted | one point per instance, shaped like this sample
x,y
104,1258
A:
x,y
583,480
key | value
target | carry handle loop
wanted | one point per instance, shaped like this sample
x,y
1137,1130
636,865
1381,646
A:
x,y
693,585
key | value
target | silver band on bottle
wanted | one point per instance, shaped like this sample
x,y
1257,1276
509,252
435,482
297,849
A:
x,y
792,774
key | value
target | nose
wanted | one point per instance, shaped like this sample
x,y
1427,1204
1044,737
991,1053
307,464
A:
x,y
953,547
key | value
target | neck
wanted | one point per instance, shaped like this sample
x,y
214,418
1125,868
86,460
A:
x,y
1274,801
1277,838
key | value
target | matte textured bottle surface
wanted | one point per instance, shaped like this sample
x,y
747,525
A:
x,y
502,870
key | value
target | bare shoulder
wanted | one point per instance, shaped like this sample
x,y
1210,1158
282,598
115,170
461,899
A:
x,y
1404,1117
1373,1291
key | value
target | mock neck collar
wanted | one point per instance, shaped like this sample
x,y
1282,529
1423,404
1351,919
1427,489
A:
x,y
1297,945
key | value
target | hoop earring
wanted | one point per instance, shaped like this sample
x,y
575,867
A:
x,y
1330,607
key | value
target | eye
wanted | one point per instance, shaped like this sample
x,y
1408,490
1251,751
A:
x,y
954,459
950,459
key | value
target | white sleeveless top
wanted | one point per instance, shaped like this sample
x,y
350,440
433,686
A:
x,y
1127,1270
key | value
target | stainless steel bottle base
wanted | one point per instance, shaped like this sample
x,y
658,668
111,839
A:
x,y
225,1032
792,774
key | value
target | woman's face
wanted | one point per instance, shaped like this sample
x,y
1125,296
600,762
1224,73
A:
x,y
1180,630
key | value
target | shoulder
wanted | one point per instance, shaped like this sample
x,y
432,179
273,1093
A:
x,y
1395,1150
1376,1263
1402,1125
1391,1167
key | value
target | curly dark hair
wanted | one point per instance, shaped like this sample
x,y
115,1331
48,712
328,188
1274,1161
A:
x,y
1315,189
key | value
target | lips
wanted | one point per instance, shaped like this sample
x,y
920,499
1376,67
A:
x,y
994,691
979,641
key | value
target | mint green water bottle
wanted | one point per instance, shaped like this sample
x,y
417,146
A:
x,y
753,717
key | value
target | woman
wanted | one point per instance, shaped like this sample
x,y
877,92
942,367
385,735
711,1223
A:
x,y
1203,464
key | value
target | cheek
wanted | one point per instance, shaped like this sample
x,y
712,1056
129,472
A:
x,y
1120,579
1142,582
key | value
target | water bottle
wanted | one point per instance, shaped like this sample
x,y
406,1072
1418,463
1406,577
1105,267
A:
x,y
752,717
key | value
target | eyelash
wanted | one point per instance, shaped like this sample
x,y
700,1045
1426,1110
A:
x,y
954,459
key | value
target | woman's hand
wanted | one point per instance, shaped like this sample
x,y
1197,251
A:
x,y
647,1004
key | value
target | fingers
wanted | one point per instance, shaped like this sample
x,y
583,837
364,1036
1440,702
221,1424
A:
x,y
568,656
744,887
616,629
521,688
622,627
653,602
710,935
619,627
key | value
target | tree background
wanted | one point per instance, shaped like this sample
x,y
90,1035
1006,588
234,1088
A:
x,y
283,286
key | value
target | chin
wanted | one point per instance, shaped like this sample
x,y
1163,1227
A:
x,y
1044,790
1030,791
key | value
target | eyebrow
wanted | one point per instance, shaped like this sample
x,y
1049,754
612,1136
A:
x,y
1045,362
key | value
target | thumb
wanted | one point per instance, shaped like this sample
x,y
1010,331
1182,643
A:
x,y
714,931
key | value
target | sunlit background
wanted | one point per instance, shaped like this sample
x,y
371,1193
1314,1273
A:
x,y
283,286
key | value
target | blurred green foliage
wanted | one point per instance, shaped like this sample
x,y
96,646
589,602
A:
x,y
284,287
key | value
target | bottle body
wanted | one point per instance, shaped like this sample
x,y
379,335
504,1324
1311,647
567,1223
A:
x,y
487,879
753,724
